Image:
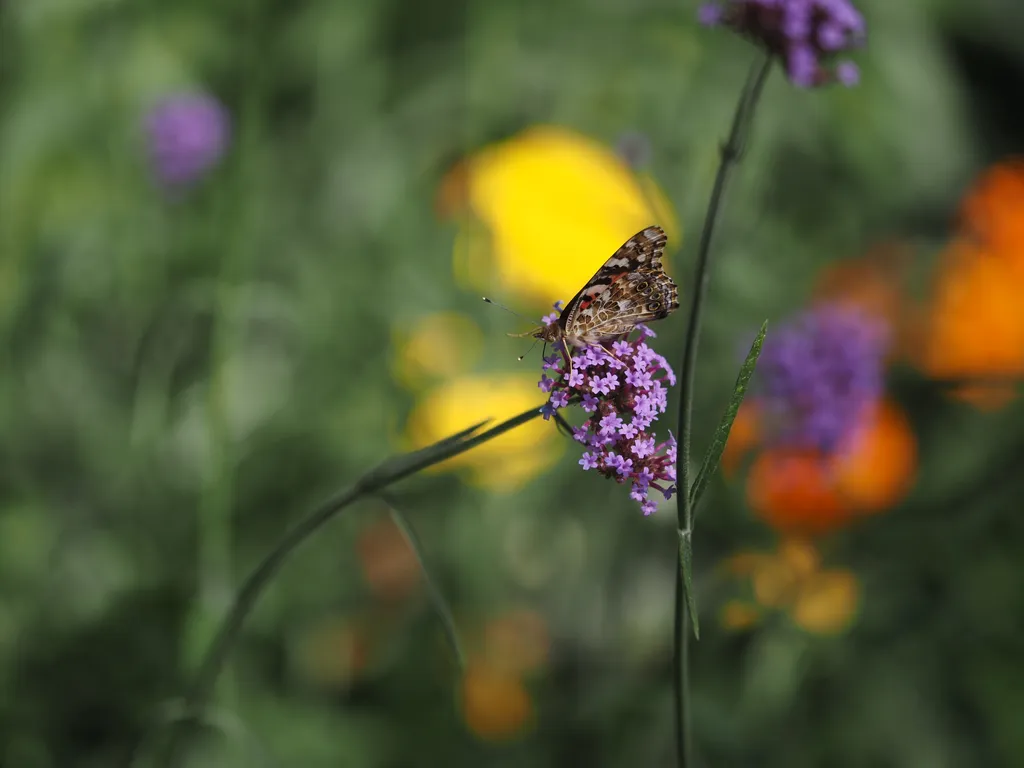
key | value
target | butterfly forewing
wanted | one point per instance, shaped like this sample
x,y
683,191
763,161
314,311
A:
x,y
608,307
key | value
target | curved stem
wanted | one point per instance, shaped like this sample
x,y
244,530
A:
x,y
434,593
731,152
376,480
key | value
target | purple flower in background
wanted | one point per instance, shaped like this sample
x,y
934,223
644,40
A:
x,y
804,34
818,374
186,134
621,411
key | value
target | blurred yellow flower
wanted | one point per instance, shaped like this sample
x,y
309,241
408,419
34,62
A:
x,y
436,347
554,204
739,615
792,580
495,703
506,462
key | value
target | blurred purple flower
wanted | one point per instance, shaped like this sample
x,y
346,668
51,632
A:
x,y
187,134
818,374
619,445
803,34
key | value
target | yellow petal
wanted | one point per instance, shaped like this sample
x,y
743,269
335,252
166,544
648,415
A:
x,y
495,704
827,603
739,615
557,204
506,462
801,556
775,583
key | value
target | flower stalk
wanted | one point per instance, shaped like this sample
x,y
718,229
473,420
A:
x,y
731,152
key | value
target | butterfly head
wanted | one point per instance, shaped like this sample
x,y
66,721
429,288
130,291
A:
x,y
550,333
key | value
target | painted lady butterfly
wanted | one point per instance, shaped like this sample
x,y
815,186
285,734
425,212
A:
x,y
630,288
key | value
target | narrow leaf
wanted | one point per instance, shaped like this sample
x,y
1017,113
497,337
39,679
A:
x,y
398,467
437,599
686,567
717,447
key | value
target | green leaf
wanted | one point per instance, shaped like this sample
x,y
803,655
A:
x,y
715,450
686,569
399,467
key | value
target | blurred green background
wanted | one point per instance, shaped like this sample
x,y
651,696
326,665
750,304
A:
x,y
186,374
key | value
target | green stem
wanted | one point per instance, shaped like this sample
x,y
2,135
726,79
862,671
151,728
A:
x,y
434,592
730,154
372,483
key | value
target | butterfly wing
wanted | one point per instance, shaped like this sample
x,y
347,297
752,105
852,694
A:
x,y
631,287
644,249
638,298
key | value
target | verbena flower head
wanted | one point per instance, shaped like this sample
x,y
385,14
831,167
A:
x,y
819,374
806,35
186,134
623,388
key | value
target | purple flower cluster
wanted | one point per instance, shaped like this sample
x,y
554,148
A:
x,y
187,134
819,374
622,387
805,34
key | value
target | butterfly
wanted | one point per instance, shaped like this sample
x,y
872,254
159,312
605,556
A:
x,y
630,288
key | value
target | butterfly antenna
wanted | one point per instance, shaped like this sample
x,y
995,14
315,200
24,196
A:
x,y
528,351
502,306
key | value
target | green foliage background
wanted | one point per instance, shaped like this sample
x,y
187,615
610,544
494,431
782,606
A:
x,y
182,379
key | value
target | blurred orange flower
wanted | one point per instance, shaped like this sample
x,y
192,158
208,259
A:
x,y
495,703
791,580
389,565
807,492
992,211
550,205
973,324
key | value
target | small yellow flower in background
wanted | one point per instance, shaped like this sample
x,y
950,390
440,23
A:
x,y
553,205
437,346
738,615
504,463
827,602
495,703
821,601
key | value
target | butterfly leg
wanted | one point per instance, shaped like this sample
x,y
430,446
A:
x,y
568,357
